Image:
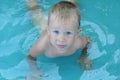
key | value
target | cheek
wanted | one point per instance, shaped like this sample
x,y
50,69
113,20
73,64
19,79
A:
x,y
70,40
52,37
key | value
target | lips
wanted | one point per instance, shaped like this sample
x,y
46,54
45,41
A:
x,y
61,46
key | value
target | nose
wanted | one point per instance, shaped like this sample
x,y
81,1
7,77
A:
x,y
61,38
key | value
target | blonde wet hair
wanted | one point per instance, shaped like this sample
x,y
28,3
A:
x,y
64,10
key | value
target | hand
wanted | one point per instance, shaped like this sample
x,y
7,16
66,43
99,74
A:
x,y
35,76
31,3
85,62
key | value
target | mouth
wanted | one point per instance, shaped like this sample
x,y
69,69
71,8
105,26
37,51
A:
x,y
61,46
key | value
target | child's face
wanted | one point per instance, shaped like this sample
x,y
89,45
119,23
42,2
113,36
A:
x,y
62,34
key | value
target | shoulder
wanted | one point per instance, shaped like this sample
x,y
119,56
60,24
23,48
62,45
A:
x,y
42,41
40,46
82,41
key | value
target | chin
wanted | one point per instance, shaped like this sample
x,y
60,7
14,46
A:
x,y
61,50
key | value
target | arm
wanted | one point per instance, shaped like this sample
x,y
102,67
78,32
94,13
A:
x,y
32,58
35,12
73,1
84,50
32,63
84,61
37,49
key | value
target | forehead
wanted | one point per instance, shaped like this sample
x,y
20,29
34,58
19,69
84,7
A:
x,y
69,23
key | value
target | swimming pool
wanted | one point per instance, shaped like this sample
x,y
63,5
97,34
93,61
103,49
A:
x,y
100,21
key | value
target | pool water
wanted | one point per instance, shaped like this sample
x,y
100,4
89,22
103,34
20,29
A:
x,y
100,21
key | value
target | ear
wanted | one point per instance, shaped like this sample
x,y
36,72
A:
x,y
79,30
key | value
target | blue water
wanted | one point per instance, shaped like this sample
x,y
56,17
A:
x,y
100,21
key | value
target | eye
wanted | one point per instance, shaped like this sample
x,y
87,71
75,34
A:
x,y
56,31
68,33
